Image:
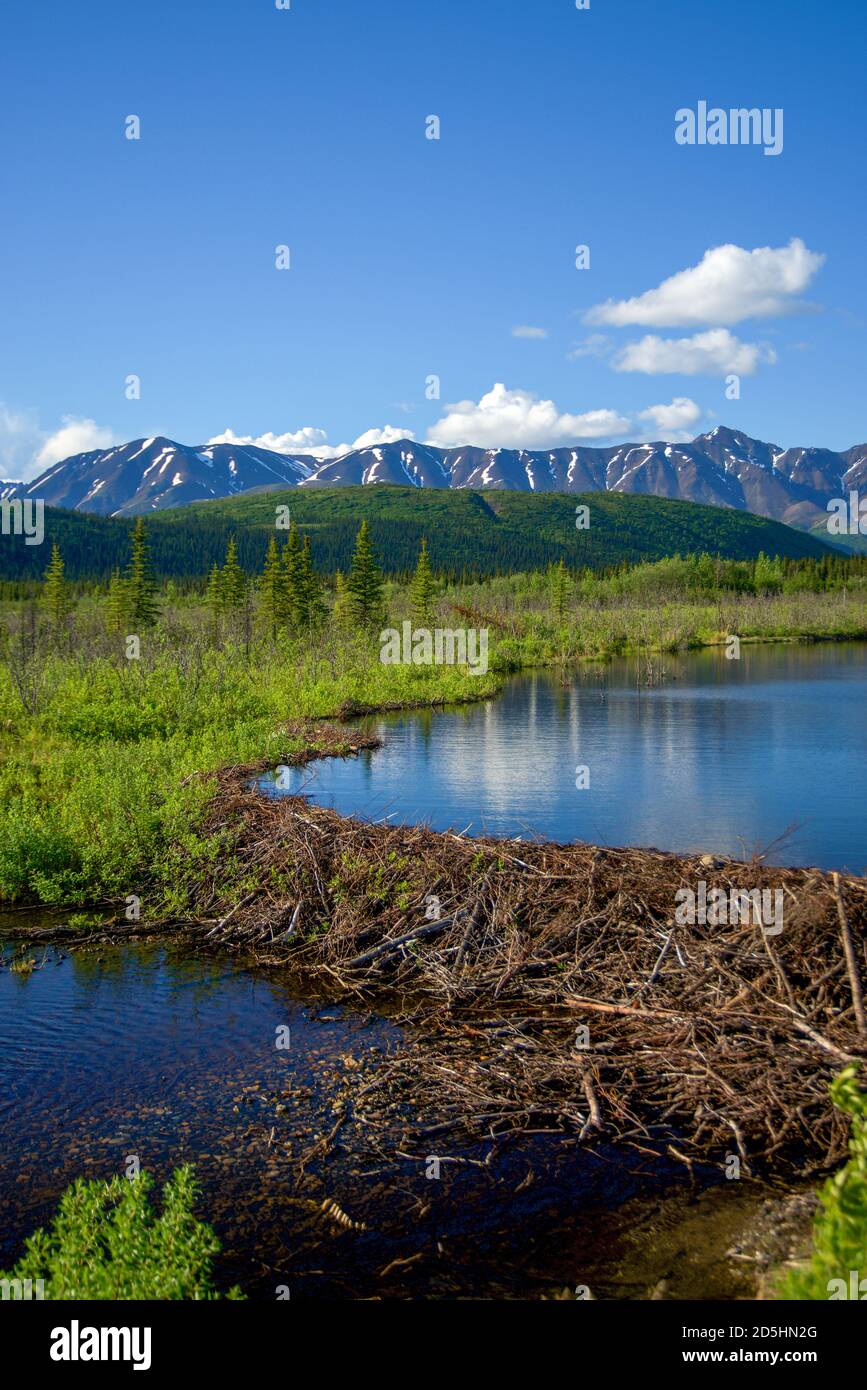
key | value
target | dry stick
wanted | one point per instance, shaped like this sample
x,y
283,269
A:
x,y
475,919
574,1001
822,1042
290,930
851,961
780,973
652,978
595,1121
430,929
478,847
229,915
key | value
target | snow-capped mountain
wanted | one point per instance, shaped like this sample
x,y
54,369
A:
x,y
8,489
725,468
154,474
404,461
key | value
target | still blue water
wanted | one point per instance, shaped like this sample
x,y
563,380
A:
x,y
170,1055
765,753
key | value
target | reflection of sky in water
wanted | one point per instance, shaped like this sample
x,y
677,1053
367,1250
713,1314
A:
x,y
722,756
150,1052
172,1057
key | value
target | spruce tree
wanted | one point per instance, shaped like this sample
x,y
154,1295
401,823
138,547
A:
x,y
140,582
341,614
365,581
311,588
117,604
293,581
272,602
214,594
561,586
233,580
55,591
422,590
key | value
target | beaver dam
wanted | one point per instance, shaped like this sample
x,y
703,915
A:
x,y
552,988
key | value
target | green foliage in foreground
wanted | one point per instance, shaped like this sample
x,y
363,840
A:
x,y
99,792
840,1230
107,1242
105,762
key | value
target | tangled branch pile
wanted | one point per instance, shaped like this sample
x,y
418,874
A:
x,y
550,986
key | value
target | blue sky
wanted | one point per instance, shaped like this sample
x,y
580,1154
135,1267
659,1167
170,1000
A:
x,y
413,257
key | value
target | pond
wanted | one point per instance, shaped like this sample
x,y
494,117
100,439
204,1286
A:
x,y
171,1057
765,753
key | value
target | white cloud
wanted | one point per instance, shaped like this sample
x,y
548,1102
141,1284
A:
x,y
519,420
729,284
20,438
674,422
714,353
311,440
303,441
27,450
388,435
594,345
526,330
74,437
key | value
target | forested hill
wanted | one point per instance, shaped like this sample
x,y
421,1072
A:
x,y
469,533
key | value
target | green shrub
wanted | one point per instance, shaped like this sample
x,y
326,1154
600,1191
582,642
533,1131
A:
x,y
840,1230
107,1242
99,796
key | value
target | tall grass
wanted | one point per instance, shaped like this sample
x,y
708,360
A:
x,y
97,753
97,796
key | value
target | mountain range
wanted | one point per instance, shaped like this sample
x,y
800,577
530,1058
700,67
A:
x,y
724,468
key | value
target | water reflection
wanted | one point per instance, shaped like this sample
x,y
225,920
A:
x,y
723,756
172,1058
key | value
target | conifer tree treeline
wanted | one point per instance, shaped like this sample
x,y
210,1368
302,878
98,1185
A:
x,y
133,604
288,593
469,537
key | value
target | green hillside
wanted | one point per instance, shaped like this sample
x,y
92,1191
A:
x,y
470,534
847,545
